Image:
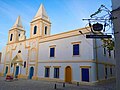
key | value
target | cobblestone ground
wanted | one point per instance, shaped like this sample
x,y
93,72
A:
x,y
22,84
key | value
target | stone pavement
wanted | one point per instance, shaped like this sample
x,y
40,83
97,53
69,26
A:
x,y
22,84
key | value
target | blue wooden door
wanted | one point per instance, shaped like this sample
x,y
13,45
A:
x,y
6,70
17,71
85,74
31,72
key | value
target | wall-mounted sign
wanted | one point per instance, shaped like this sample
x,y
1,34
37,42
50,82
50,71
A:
x,y
97,27
98,36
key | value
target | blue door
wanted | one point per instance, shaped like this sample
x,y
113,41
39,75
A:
x,y
85,74
17,71
31,72
6,70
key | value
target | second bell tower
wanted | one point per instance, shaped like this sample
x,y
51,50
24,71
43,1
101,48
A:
x,y
40,25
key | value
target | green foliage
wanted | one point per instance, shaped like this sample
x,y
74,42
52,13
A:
x,y
108,43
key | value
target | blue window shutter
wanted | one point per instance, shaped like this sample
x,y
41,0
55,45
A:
x,y
56,72
111,70
76,49
52,52
85,74
47,72
106,70
106,73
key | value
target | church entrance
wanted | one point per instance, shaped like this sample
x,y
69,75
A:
x,y
31,72
17,71
17,63
6,70
68,74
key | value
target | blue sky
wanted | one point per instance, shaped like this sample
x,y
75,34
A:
x,y
64,15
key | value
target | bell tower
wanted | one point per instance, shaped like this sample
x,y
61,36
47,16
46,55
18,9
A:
x,y
40,25
17,32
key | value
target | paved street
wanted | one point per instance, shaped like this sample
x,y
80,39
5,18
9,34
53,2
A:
x,y
44,85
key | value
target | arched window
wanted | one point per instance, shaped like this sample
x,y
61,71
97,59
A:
x,y
45,30
11,36
24,64
19,35
35,30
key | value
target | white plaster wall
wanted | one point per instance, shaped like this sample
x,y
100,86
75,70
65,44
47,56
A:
x,y
33,43
24,51
101,73
24,56
76,71
40,28
41,70
64,48
23,70
2,59
33,54
3,54
14,52
11,69
93,72
101,56
1,67
31,63
104,58
8,57
33,49
114,71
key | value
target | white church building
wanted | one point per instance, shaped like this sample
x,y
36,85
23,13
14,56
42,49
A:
x,y
63,57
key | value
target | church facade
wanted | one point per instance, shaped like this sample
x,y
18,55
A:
x,y
64,57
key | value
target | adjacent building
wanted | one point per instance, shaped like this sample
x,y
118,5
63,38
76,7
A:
x,y
64,57
116,24
0,56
